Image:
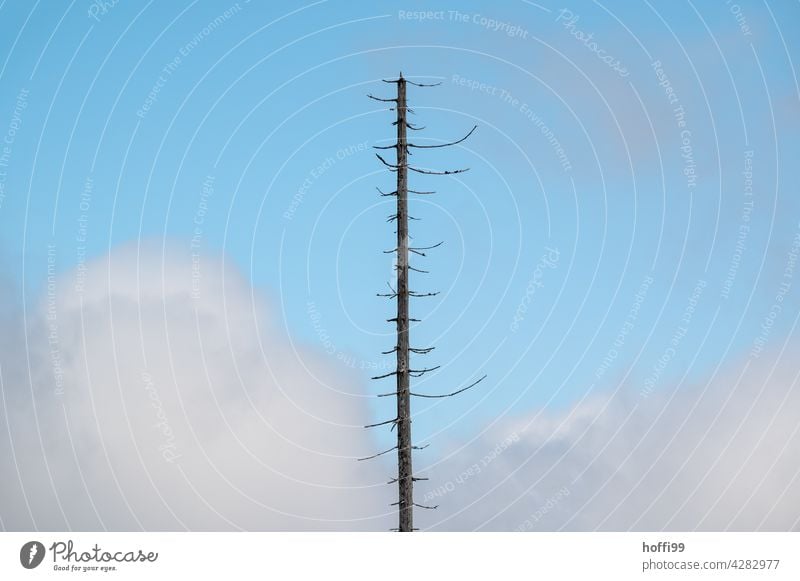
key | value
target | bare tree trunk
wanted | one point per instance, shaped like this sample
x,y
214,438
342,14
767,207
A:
x,y
403,372
404,477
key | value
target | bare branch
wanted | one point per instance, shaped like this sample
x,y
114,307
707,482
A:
x,y
418,250
427,247
413,479
392,421
421,372
393,217
423,84
444,144
392,146
418,270
437,173
411,126
385,375
386,163
420,193
419,295
394,193
382,100
421,351
417,505
450,394
378,454
390,351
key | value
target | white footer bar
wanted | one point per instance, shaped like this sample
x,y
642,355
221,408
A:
x,y
389,556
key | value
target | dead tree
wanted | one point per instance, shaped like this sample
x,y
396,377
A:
x,y
404,371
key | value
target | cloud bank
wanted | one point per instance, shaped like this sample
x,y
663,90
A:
x,y
164,396
715,456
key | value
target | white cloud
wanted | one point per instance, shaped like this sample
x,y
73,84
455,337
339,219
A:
x,y
179,411
715,456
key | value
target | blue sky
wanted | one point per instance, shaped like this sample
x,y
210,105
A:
x,y
259,102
